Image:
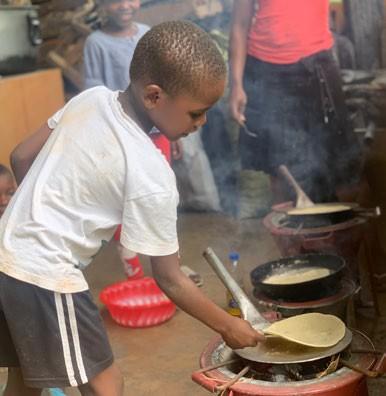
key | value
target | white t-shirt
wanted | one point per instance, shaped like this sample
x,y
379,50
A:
x,y
98,169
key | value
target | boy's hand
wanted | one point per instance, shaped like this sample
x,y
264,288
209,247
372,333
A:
x,y
241,334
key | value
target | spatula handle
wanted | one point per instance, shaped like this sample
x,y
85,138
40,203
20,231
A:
x,y
248,310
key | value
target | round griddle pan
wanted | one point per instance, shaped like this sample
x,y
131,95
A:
x,y
315,220
320,209
273,350
279,351
304,202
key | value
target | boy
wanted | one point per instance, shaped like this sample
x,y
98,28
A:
x,y
97,169
7,187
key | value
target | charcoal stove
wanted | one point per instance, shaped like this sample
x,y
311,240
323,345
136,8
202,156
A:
x,y
342,236
284,380
335,302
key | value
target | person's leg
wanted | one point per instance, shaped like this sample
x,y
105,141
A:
x,y
107,383
130,261
16,387
59,339
8,358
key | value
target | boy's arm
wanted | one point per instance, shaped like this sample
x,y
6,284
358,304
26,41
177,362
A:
x,y
241,21
25,152
236,332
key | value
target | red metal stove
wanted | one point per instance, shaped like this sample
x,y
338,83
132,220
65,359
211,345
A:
x,y
342,382
343,238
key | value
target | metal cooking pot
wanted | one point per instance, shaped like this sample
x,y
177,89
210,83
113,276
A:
x,y
304,291
19,38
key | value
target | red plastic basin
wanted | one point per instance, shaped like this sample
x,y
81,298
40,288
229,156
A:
x,y
137,303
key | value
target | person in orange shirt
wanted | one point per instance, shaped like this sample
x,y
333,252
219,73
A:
x,y
286,93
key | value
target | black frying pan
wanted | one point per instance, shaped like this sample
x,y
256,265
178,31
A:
x,y
304,291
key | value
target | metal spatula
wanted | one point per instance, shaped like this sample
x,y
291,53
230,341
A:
x,y
248,310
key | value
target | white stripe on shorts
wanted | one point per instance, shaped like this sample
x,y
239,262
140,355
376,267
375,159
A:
x,y
75,338
64,338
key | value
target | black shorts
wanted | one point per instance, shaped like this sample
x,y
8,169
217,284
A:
x,y
57,340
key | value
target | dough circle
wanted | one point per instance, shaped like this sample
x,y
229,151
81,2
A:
x,y
311,329
319,209
294,276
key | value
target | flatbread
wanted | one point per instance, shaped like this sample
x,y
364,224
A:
x,y
319,209
311,329
294,276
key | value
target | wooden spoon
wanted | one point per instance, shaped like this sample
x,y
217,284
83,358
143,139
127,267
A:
x,y
302,199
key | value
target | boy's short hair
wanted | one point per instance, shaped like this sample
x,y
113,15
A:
x,y
5,171
179,57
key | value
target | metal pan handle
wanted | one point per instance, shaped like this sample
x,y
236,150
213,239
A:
x,y
247,309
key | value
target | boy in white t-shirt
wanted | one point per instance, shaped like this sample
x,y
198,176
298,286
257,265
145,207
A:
x,y
97,169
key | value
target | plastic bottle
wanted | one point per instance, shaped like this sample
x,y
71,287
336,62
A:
x,y
236,271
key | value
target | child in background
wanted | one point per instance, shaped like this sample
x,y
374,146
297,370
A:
x,y
108,52
7,187
107,56
99,169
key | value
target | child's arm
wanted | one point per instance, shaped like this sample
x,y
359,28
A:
x,y
92,65
237,333
25,152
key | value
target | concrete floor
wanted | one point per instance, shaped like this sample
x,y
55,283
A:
x,y
161,359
